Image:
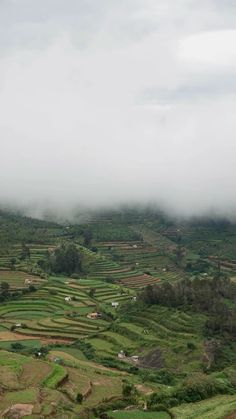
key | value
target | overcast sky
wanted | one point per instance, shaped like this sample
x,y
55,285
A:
x,y
105,102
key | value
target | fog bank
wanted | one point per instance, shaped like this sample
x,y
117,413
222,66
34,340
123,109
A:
x,y
112,103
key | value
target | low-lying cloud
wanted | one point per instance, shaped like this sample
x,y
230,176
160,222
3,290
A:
x,y
108,103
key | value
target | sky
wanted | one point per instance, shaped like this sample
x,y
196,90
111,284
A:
x,y
105,103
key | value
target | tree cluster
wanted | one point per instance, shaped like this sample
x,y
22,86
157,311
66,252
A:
x,y
65,259
214,296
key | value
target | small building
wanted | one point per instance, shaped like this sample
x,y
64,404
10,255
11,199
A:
x,y
67,299
57,360
121,355
18,325
28,281
135,246
134,298
94,316
114,304
135,358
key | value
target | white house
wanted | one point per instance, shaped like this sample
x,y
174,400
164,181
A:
x,y
121,355
114,304
67,299
18,324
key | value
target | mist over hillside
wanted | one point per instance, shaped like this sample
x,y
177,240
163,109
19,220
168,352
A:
x,y
118,103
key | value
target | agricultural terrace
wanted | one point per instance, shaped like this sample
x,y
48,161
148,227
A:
x,y
37,383
47,313
18,279
54,355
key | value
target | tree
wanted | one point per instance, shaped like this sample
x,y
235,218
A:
x,y
87,237
12,264
25,252
65,259
5,286
79,398
179,254
92,292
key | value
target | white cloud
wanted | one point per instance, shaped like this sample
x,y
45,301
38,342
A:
x,y
118,102
209,50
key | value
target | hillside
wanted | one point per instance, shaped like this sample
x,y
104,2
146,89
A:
x,y
129,308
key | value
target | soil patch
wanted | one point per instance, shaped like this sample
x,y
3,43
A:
x,y
152,360
18,411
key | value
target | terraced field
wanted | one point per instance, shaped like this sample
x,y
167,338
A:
x,y
18,279
35,383
14,252
216,408
46,313
65,349
139,281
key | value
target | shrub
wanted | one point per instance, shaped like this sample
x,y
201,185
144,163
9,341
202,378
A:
x,y
32,288
128,390
86,348
16,346
79,398
191,346
75,276
162,376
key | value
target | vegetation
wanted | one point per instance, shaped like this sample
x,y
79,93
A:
x,y
128,309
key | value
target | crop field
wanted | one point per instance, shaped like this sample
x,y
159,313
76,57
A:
x,y
139,281
45,313
18,279
14,252
215,408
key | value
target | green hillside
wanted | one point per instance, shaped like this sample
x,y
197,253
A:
x,y
129,309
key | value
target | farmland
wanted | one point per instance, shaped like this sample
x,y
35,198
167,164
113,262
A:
x,y
61,333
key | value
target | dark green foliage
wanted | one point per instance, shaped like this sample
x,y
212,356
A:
x,y
209,295
85,347
17,346
4,286
92,292
194,389
65,259
128,390
199,266
16,228
6,294
162,376
87,234
115,363
79,398
32,288
191,346
25,252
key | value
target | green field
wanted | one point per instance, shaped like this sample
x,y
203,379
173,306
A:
x,y
140,415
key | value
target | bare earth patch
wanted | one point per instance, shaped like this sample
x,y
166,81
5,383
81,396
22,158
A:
x,y
34,372
18,411
7,335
